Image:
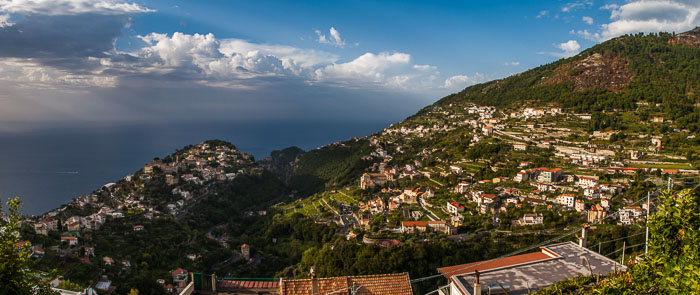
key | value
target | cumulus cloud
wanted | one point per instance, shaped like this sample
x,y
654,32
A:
x,y
332,39
231,60
543,13
569,49
291,56
587,19
459,82
512,63
63,42
394,70
647,16
70,7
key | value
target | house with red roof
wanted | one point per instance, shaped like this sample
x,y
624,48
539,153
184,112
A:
x,y
454,207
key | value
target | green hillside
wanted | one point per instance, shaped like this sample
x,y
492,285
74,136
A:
x,y
614,75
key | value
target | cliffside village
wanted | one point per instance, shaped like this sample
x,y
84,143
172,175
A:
x,y
185,175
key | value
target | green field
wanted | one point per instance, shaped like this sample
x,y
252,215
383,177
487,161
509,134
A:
x,y
343,198
309,207
663,166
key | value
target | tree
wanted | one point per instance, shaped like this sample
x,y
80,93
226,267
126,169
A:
x,y
68,285
672,265
15,274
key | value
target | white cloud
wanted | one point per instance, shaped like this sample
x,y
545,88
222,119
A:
x,y
569,49
333,39
542,13
393,70
570,46
647,16
5,20
70,7
512,63
571,6
587,19
229,61
609,6
459,82
201,56
291,56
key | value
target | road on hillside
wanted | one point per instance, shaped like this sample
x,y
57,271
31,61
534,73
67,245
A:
x,y
429,213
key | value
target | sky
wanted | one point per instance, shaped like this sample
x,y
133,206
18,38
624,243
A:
x,y
108,62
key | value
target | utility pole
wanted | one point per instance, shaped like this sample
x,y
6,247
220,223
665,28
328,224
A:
x,y
624,245
646,244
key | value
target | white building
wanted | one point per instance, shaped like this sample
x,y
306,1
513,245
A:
x,y
566,200
454,207
532,219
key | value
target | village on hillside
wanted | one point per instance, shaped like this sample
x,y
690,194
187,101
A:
x,y
523,170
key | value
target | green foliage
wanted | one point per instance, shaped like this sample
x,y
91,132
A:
x,y
672,265
68,285
246,192
16,276
337,164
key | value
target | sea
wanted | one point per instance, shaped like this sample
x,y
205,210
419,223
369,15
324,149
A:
x,y
47,167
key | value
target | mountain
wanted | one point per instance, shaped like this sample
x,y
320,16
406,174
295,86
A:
x,y
658,68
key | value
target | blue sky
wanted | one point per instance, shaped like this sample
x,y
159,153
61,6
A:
x,y
113,61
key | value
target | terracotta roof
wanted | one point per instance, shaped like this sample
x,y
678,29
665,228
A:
x,y
414,223
492,264
235,284
385,284
22,243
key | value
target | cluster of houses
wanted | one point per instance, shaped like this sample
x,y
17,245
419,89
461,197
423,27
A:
x,y
380,174
551,187
197,165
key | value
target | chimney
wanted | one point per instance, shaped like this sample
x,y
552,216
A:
x,y
477,284
584,236
314,282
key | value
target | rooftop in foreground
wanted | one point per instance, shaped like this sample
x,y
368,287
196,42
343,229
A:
x,y
526,273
